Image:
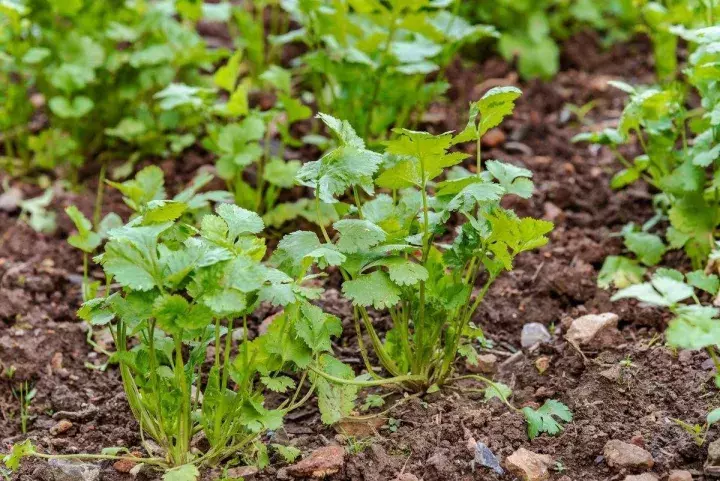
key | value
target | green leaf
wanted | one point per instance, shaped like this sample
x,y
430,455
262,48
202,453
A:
x,y
66,109
335,400
240,221
492,108
515,180
620,272
17,453
497,390
660,291
348,165
85,240
402,272
358,235
148,184
707,282
374,289
694,327
648,247
288,453
158,211
186,472
278,383
713,417
226,76
543,419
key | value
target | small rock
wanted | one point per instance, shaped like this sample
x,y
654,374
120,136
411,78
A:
x,y
493,138
321,462
638,440
552,212
485,457
57,361
619,454
124,465
641,477
37,100
534,333
679,475
486,364
61,427
529,466
64,470
241,472
613,373
542,364
712,463
360,428
10,199
591,328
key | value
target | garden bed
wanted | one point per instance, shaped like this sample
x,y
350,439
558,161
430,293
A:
x,y
629,389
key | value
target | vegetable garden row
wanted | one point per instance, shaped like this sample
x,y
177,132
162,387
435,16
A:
x,y
273,239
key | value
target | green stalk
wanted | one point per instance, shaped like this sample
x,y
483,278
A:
x,y
97,212
182,443
381,382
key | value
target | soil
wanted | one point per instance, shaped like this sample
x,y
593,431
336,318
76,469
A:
x,y
44,342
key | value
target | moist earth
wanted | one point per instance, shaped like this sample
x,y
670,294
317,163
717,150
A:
x,y
630,390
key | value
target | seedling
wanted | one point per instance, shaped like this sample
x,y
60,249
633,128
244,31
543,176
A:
x,y
387,248
697,431
183,290
24,395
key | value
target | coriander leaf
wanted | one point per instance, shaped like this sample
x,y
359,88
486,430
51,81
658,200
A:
x,y
620,272
358,235
374,289
648,247
497,390
543,419
278,383
288,453
240,221
17,453
335,400
515,180
402,272
186,472
85,240
707,282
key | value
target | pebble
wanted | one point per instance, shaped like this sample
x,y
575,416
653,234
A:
x,y
64,470
61,427
10,199
406,477
124,465
486,364
321,462
592,327
712,463
534,333
529,466
485,457
542,364
622,455
679,475
641,477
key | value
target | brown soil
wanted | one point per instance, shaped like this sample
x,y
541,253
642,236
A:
x,y
41,337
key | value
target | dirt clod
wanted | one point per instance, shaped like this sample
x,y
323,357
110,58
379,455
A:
x,y
679,475
493,138
321,462
528,465
598,329
622,455
641,477
486,364
61,427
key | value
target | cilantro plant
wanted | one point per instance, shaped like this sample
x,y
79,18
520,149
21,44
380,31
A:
x,y
393,248
182,291
679,159
92,68
368,61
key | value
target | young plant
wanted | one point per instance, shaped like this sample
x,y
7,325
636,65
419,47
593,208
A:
x,y
679,159
24,395
367,62
699,432
182,291
416,252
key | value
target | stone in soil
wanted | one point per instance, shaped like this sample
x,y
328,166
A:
x,y
534,333
321,462
641,477
63,470
596,329
61,427
493,138
622,455
485,457
712,463
529,466
679,475
486,364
